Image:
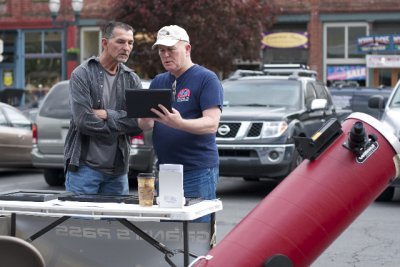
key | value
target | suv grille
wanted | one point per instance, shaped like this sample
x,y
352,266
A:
x,y
239,130
228,130
255,130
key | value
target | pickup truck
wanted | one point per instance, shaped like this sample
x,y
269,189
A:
x,y
355,99
261,116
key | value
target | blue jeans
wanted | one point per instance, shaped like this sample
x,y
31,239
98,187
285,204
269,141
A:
x,y
90,181
201,183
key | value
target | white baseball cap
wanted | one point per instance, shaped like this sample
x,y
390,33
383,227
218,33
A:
x,y
170,35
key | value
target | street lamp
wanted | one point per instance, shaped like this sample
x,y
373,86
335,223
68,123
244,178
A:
x,y
54,6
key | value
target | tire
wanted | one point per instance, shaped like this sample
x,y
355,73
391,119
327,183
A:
x,y
387,195
54,177
297,159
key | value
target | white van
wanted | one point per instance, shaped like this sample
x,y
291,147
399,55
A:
x,y
390,117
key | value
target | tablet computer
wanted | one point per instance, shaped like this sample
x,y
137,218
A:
x,y
140,101
32,195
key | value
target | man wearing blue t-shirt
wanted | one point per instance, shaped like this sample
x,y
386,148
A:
x,y
187,134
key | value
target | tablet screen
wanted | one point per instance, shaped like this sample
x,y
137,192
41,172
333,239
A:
x,y
140,101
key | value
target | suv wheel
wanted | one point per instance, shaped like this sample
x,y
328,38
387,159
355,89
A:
x,y
297,160
54,177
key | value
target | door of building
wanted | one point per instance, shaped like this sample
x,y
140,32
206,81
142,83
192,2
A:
x,y
386,77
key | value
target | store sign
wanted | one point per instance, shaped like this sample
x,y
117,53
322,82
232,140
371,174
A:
x,y
383,61
285,40
379,43
339,73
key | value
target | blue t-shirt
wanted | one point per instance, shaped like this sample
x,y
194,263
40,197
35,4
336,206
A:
x,y
196,90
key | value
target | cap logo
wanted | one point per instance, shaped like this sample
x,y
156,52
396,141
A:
x,y
164,33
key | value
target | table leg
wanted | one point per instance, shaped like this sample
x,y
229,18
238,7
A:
x,y
213,239
13,224
158,245
48,228
185,243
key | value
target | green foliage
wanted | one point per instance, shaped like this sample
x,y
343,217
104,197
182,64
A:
x,y
219,30
73,50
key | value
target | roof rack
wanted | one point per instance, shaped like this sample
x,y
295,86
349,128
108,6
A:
x,y
243,73
285,66
295,70
291,72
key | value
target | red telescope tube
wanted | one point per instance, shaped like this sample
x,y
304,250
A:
x,y
311,207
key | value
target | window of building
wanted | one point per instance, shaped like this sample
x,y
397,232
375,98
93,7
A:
x,y
42,73
91,42
335,42
341,49
33,42
354,33
52,42
43,59
341,40
43,42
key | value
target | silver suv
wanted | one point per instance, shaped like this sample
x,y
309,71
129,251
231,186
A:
x,y
51,127
390,117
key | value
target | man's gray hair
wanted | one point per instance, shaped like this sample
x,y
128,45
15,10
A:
x,y
108,28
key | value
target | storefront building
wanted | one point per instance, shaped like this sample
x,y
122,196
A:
x,y
324,35
37,51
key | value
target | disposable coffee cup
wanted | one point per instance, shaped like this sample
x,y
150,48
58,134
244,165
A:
x,y
146,183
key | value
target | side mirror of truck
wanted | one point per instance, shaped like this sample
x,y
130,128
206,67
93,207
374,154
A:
x,y
376,102
318,104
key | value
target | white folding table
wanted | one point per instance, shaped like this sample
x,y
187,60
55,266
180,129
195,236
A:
x,y
126,214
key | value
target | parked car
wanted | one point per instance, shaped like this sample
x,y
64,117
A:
x,y
355,99
391,118
31,109
26,101
51,127
262,114
15,138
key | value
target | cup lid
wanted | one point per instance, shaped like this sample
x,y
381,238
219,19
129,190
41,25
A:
x,y
146,175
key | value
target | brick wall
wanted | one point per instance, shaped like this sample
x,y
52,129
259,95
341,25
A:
x,y
35,13
16,14
331,6
314,8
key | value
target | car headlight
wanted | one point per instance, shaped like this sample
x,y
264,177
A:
x,y
273,128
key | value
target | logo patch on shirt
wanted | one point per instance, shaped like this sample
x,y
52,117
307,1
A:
x,y
183,95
